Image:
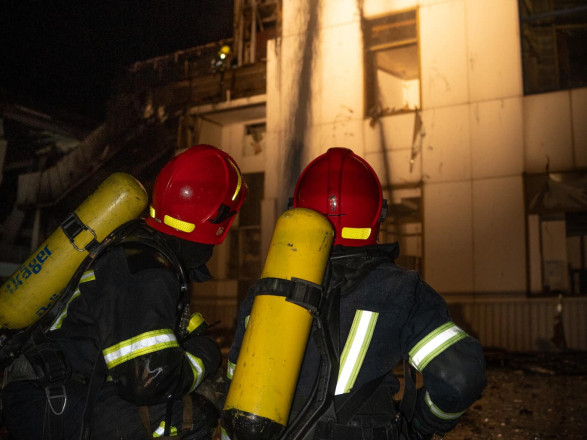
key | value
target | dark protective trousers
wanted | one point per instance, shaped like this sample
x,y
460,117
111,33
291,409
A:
x,y
27,416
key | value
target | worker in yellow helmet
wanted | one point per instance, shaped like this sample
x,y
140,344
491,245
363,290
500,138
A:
x,y
222,60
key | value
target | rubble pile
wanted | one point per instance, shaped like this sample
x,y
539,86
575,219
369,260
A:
x,y
529,396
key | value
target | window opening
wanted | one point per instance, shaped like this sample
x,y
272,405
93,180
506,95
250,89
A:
x,y
554,53
403,224
244,262
556,205
254,139
392,64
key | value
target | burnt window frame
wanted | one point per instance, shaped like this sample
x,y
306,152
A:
x,y
551,33
551,198
374,45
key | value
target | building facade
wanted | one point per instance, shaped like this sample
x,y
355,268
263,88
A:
x,y
484,171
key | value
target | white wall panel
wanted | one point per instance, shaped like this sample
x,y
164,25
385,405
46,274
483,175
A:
x,y
446,152
342,133
579,109
547,131
318,92
294,17
211,133
497,138
371,137
378,7
443,52
448,237
289,78
273,83
398,132
292,52
431,2
396,168
499,239
493,49
341,83
337,12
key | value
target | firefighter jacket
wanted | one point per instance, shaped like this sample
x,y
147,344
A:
x,y
124,314
386,314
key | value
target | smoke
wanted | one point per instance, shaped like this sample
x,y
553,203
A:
x,y
301,109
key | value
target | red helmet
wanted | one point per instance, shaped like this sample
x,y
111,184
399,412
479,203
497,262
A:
x,y
344,187
197,195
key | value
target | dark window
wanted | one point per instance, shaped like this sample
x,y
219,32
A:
x,y
254,139
244,262
403,224
556,207
553,40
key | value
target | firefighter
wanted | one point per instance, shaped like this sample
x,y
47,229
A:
x,y
221,63
121,361
374,316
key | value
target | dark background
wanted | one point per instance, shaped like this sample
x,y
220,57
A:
x,y
65,54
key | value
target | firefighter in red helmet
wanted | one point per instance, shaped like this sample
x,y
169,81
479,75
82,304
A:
x,y
376,315
124,357
342,186
197,195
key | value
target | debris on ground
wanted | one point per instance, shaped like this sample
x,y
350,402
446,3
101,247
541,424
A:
x,y
529,396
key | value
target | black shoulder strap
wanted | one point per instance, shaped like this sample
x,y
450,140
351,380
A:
x,y
320,401
301,292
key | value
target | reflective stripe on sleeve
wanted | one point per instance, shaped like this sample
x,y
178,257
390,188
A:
x,y
230,370
86,277
59,320
435,343
197,369
355,349
438,412
145,343
223,434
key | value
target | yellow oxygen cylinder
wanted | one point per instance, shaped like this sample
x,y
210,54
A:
x,y
33,288
260,395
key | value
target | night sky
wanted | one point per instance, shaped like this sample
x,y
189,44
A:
x,y
64,54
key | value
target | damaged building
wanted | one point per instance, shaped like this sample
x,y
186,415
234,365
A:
x,y
471,112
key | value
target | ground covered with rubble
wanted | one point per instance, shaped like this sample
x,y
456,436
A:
x,y
529,396
534,396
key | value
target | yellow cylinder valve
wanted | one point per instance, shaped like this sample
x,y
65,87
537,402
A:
x,y
196,324
260,395
35,286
